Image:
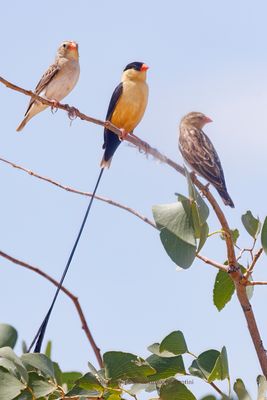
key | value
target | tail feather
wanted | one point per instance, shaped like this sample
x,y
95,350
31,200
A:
x,y
226,198
105,163
23,123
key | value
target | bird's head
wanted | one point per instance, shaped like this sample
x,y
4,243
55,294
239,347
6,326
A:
x,y
195,119
135,71
69,50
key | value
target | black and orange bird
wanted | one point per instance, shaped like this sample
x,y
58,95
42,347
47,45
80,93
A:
x,y
200,154
125,111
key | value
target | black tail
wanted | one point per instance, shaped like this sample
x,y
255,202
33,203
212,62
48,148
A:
x,y
38,339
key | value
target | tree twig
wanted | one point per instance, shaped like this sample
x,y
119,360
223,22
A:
x,y
253,263
74,298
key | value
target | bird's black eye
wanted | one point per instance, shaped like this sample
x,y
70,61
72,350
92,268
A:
x,y
64,45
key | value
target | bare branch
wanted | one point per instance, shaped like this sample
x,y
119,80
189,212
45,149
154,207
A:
x,y
254,261
69,294
255,283
213,263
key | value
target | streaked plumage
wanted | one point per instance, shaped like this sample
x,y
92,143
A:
x,y
58,81
198,151
126,107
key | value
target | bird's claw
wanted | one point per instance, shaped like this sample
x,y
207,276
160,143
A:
x,y
72,113
54,106
123,134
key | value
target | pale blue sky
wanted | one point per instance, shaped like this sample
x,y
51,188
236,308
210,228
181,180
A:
x,y
208,56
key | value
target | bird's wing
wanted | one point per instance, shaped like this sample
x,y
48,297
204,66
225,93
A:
x,y
112,105
200,153
44,81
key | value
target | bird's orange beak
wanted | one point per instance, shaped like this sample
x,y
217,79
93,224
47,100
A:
x,y
73,46
208,120
144,67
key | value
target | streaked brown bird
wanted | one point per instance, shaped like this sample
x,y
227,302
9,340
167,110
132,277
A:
x,y
200,154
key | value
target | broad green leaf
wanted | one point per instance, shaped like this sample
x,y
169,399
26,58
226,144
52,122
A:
x,y
264,236
172,389
69,378
8,336
223,290
126,366
40,386
165,367
204,233
181,253
48,349
24,395
6,353
203,209
204,365
235,235
58,373
155,349
177,231
111,395
39,362
262,387
89,382
138,387
251,224
10,387
83,393
241,390
220,370
176,219
174,343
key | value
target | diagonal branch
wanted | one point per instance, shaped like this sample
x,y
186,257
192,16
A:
x,y
69,294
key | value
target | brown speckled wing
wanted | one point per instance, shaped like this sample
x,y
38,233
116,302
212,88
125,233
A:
x,y
44,81
200,154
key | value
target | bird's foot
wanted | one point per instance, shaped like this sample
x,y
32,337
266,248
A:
x,y
54,106
123,134
72,112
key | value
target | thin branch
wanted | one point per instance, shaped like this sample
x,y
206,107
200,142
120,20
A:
x,y
69,294
213,263
254,261
234,269
255,283
72,190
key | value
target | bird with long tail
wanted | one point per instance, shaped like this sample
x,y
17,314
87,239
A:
x,y
126,109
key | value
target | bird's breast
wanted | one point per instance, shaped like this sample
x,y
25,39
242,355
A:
x,y
64,81
131,106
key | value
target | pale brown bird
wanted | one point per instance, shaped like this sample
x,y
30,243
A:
x,y
200,154
57,82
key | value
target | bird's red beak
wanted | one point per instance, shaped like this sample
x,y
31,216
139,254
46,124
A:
x,y
144,67
73,46
208,120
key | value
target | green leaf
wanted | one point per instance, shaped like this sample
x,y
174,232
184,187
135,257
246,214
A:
x,y
204,233
209,397
174,343
220,370
251,224
235,235
89,382
264,236
262,387
81,393
241,390
58,373
69,378
165,367
203,209
24,395
48,349
40,386
155,349
18,369
8,336
172,389
112,395
177,231
223,290
126,366
39,362
206,365
10,387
